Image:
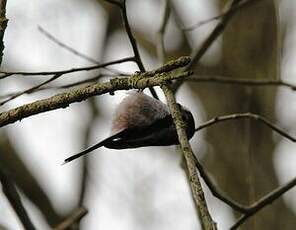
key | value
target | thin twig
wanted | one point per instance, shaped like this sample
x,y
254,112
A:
x,y
62,72
30,90
196,188
229,11
136,81
54,39
14,199
198,53
264,201
269,198
160,33
248,116
76,216
215,191
65,86
137,58
218,80
243,81
61,44
131,37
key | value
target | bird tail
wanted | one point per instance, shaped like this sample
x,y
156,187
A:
x,y
91,148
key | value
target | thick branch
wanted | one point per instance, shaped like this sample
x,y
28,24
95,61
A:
x,y
137,81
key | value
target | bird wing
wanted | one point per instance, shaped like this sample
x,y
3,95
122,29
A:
x,y
161,132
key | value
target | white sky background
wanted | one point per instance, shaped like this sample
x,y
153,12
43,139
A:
x,y
135,189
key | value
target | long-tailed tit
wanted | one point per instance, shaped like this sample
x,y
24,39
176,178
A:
x,y
139,121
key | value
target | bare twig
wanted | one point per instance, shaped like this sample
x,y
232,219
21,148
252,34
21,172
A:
x,y
229,11
257,206
218,80
207,222
14,199
76,216
195,185
215,191
263,202
137,58
62,72
196,188
65,46
131,37
243,81
248,116
57,74
137,81
30,90
161,31
197,54
74,51
65,86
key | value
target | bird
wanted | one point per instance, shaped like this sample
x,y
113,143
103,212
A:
x,y
141,121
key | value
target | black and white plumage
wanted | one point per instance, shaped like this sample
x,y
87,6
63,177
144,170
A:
x,y
140,121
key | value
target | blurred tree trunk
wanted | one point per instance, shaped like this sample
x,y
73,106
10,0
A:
x,y
240,155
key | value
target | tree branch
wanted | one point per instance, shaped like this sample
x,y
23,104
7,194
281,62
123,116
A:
x,y
74,51
62,72
136,81
30,90
263,202
160,33
269,198
76,216
242,81
14,199
197,192
236,7
197,54
244,116
138,60
215,190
